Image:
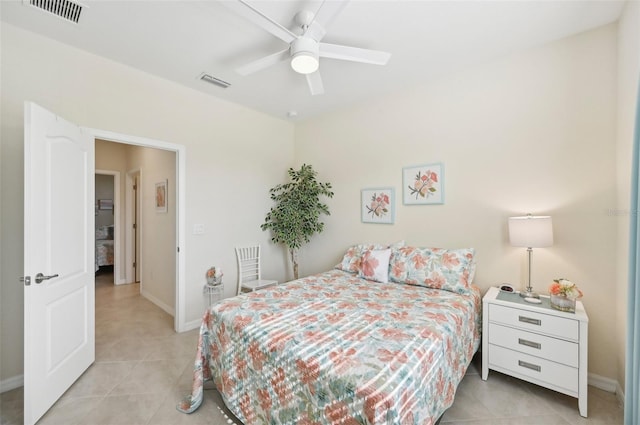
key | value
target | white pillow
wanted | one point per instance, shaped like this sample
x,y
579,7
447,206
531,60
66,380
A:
x,y
375,265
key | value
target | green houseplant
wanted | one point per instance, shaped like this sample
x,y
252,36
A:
x,y
296,214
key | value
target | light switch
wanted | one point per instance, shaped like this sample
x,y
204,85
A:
x,y
198,229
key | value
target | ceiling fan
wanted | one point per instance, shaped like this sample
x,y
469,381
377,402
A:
x,y
305,49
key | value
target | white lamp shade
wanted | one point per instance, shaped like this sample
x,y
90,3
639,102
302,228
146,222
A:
x,y
531,231
304,55
304,63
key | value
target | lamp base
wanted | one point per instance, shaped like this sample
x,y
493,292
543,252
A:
x,y
529,294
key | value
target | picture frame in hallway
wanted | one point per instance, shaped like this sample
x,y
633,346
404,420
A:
x,y
423,184
161,197
105,204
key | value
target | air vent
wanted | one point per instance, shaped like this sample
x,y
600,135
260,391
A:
x,y
65,9
213,80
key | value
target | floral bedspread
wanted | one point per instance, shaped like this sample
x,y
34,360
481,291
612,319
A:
x,y
333,348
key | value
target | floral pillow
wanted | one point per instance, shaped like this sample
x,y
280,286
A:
x,y
448,269
353,257
375,265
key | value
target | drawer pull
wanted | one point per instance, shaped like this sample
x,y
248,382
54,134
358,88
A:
x,y
531,344
530,320
529,366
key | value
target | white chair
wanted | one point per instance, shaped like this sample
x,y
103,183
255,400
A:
x,y
249,275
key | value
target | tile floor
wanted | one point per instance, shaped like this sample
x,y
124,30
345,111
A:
x,y
143,369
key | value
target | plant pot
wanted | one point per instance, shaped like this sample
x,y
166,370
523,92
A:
x,y
563,303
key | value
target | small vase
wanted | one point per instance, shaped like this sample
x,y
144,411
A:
x,y
214,281
563,303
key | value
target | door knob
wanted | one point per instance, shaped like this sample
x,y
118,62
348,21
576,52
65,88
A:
x,y
40,277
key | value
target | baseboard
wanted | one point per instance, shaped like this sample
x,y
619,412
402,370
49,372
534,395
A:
x,y
194,324
608,385
11,383
620,394
156,301
605,384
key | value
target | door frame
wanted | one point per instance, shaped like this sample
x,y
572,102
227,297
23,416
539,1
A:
x,y
117,249
181,170
130,211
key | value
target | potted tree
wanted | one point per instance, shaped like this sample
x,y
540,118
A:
x,y
296,215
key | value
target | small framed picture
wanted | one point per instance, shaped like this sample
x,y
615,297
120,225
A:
x,y
105,204
423,184
377,205
161,197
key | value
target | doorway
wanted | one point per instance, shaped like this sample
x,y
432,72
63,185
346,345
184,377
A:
x,y
107,224
149,252
146,216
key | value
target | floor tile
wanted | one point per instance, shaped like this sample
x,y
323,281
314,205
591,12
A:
x,y
132,409
100,379
152,377
70,411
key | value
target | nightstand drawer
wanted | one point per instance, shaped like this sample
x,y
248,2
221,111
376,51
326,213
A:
x,y
536,322
546,347
510,361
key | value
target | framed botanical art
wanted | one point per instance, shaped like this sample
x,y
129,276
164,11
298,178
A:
x,y
377,205
423,184
161,197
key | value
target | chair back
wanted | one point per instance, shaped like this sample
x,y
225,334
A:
x,y
248,264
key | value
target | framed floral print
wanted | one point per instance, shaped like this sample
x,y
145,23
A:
x,y
161,197
423,184
377,205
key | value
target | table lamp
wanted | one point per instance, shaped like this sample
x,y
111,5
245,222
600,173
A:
x,y
530,232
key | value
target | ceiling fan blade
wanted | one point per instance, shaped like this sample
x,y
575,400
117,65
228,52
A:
x,y
325,15
315,83
249,12
355,54
263,63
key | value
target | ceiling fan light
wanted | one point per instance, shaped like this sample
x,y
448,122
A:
x,y
304,63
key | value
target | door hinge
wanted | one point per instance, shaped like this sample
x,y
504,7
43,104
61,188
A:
x,y
134,265
135,187
135,226
178,249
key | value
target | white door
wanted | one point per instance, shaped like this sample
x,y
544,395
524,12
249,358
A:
x,y
59,312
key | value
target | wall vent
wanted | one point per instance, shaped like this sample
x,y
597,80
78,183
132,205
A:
x,y
65,9
213,80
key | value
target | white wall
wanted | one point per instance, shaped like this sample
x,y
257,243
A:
x,y
628,76
532,132
233,157
157,230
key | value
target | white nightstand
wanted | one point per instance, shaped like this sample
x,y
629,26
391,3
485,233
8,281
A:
x,y
536,343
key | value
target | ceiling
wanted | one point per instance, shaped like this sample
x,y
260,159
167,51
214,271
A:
x,y
179,40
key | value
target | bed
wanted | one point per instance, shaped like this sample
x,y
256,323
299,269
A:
x,y
104,246
343,347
